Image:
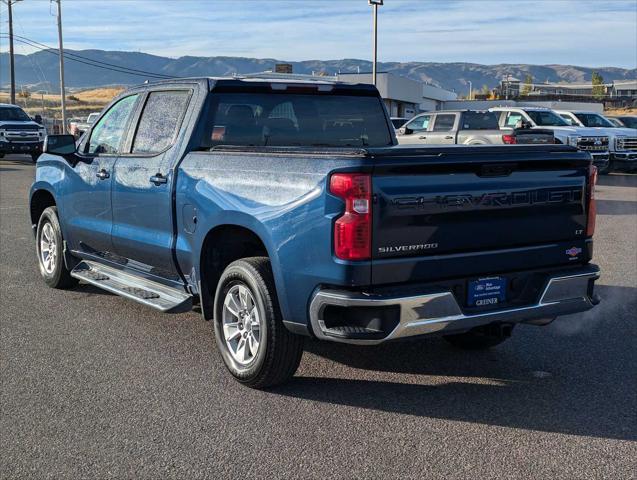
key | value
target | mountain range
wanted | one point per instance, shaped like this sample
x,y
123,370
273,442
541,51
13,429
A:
x,y
40,69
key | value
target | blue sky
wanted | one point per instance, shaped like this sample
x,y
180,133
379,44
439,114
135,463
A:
x,y
576,32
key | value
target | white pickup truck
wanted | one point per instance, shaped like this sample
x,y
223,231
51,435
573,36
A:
x,y
586,139
622,141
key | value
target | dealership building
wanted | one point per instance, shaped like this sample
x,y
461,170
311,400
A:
x,y
403,97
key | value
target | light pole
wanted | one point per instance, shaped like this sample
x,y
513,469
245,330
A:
x,y
62,89
11,54
375,4
470,89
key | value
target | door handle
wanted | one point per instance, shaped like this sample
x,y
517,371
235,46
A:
x,y
158,179
448,137
103,174
422,137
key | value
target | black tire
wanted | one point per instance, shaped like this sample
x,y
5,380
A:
x,y
58,276
480,338
279,351
34,157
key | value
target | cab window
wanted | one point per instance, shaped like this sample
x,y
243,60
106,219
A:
x,y
444,123
106,136
512,119
160,121
419,123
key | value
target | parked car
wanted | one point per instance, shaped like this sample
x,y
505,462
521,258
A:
x,y
466,127
77,128
628,121
398,122
19,133
622,141
287,210
585,139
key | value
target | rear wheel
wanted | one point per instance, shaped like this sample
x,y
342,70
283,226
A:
x,y
49,246
481,337
255,345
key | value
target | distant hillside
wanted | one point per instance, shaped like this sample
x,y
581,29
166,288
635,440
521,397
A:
x,y
42,67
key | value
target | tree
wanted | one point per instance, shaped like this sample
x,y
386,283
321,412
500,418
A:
x,y
485,90
528,85
599,90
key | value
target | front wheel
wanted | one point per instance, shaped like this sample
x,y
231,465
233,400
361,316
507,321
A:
x,y
255,346
49,246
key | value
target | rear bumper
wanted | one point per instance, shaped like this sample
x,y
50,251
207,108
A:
x,y
440,313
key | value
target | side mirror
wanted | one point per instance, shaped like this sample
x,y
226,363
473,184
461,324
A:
x,y
407,131
62,145
38,119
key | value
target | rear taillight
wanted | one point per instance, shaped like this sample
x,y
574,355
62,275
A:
x,y
509,139
592,208
352,230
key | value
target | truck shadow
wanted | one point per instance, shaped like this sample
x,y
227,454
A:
x,y
616,207
571,379
618,180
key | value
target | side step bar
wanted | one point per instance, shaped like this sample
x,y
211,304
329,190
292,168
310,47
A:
x,y
147,292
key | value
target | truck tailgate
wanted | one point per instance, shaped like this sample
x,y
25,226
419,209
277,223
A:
x,y
476,210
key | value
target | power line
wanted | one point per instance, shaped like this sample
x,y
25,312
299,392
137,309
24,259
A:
x,y
89,61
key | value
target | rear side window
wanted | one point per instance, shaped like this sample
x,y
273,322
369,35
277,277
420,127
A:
x,y
294,119
480,121
160,121
444,123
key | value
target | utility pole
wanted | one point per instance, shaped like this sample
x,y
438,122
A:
x,y
375,4
61,52
470,90
11,54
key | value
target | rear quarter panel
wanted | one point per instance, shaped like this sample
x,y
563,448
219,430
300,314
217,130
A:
x,y
282,199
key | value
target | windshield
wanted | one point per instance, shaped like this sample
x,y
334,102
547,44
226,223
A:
x,y
284,119
593,120
546,118
8,114
630,122
91,118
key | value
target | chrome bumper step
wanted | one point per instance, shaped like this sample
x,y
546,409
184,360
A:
x,y
440,313
146,292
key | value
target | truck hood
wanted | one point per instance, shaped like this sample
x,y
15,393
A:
x,y
20,124
613,132
581,131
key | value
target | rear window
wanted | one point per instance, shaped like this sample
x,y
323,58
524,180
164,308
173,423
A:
x,y
283,119
480,121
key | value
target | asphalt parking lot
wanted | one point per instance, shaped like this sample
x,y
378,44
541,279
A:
x,y
95,386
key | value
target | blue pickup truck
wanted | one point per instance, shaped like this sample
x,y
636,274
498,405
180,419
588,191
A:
x,y
285,209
